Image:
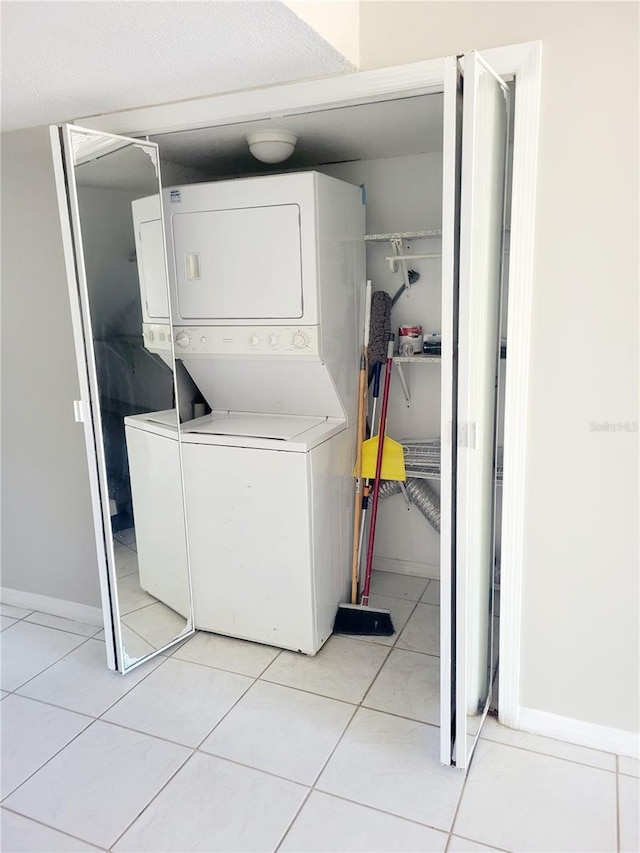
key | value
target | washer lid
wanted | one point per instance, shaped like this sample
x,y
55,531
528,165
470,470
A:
x,y
253,424
160,423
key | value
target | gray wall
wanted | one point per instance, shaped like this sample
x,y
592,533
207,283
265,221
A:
x,y
47,539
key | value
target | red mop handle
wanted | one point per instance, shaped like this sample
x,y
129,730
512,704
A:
x,y
376,486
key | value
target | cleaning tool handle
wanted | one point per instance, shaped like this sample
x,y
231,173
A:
x,y
357,513
377,370
367,314
376,485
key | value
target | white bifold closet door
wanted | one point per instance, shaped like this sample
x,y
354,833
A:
x,y
475,144
128,396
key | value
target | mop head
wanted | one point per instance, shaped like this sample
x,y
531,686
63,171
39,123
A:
x,y
380,327
363,621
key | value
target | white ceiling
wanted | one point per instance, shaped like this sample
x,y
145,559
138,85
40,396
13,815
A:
x,y
364,132
63,59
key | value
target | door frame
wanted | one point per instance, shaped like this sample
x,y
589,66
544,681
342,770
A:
x,y
520,62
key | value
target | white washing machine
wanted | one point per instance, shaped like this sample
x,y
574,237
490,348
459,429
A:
x,y
267,501
156,493
264,275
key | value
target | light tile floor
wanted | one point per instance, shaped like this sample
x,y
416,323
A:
x,y
147,623
231,746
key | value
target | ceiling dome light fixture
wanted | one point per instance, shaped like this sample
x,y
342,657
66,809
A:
x,y
271,146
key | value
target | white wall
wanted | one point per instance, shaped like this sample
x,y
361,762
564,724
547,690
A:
x,y
337,22
581,645
405,194
47,538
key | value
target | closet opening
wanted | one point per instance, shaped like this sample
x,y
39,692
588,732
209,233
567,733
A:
x,y
393,149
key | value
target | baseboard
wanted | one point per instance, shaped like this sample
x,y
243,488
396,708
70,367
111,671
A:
x,y
579,732
53,606
407,567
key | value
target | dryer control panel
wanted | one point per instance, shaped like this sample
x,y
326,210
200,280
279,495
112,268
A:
x,y
296,341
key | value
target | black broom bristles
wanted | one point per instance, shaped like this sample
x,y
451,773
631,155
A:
x,y
364,621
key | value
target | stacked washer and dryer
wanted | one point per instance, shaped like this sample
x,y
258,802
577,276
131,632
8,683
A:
x,y
264,278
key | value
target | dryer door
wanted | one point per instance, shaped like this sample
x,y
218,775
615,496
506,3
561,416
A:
x,y
135,465
239,264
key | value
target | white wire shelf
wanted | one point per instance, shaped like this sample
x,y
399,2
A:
x,y
402,235
424,358
422,458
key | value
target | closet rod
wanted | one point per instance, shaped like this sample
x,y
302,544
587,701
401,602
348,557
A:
x,y
392,258
410,257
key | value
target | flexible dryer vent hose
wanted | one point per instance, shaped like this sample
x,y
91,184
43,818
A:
x,y
421,495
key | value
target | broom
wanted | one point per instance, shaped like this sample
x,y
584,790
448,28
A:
x,y
353,618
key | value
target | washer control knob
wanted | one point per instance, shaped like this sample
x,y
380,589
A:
x,y
183,339
254,340
300,340
273,340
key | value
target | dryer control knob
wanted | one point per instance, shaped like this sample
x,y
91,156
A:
x,y
273,340
254,340
150,335
183,339
300,340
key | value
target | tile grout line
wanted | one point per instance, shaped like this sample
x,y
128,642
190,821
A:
x,y
48,826
296,814
43,765
161,660
358,707
18,618
395,815
312,787
391,648
457,808
27,621
138,609
332,752
91,717
153,798
194,750
53,663
549,754
138,634
483,843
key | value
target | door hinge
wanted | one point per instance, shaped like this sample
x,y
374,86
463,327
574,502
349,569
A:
x,y
467,434
81,411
